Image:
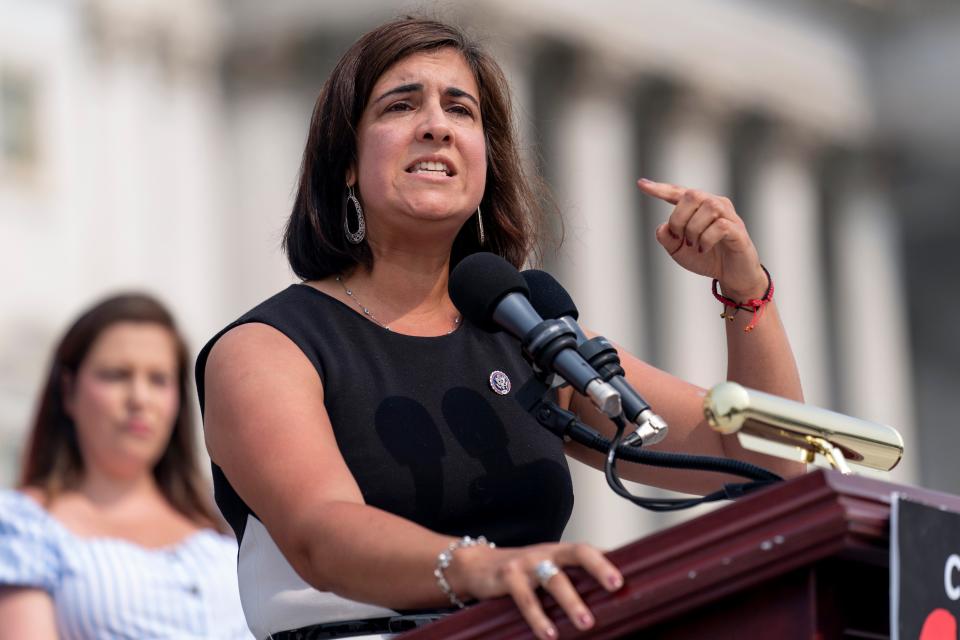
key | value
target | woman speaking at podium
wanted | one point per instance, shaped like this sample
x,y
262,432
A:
x,y
367,451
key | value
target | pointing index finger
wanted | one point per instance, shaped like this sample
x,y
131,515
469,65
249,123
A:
x,y
663,190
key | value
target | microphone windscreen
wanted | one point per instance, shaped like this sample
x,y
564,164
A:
x,y
548,296
479,282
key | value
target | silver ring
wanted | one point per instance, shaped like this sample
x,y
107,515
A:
x,y
545,570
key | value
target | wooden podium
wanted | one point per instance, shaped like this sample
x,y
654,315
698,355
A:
x,y
805,559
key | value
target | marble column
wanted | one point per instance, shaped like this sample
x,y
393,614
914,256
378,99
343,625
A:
x,y
782,198
151,192
599,263
686,145
871,315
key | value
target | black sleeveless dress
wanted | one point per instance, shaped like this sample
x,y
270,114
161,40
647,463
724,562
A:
x,y
420,425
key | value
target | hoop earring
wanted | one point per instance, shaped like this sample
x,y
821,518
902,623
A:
x,y
480,233
353,237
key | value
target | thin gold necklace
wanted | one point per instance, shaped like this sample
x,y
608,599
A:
x,y
366,311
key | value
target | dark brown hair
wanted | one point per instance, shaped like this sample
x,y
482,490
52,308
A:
x,y
53,462
314,237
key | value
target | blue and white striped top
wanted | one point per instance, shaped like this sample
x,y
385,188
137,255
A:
x,y
110,588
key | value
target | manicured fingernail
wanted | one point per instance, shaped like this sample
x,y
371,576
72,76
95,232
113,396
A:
x,y
585,620
550,633
645,180
614,582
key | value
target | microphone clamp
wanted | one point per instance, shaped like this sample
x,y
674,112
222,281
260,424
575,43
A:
x,y
604,397
602,356
548,339
542,344
651,429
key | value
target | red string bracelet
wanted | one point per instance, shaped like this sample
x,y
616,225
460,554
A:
x,y
756,305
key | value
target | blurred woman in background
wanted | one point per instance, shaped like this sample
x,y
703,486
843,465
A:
x,y
111,533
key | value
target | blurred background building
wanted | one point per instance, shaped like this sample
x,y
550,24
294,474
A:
x,y
155,144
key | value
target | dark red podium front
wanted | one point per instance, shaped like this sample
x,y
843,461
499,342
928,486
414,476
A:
x,y
804,559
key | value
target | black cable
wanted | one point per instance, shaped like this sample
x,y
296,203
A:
x,y
566,424
728,492
689,461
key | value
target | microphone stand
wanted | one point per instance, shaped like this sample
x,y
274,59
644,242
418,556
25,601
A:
x,y
533,396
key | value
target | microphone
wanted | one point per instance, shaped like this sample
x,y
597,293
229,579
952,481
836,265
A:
x,y
490,293
551,300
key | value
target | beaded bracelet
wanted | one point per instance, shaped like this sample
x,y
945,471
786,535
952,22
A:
x,y
756,305
445,557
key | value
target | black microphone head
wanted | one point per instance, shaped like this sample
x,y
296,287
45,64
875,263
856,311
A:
x,y
548,296
479,282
